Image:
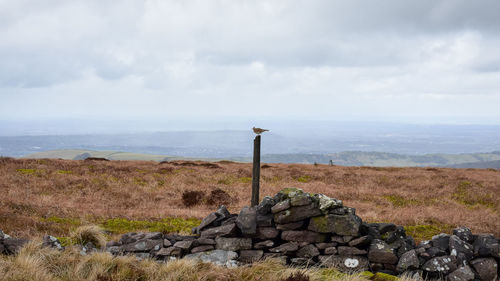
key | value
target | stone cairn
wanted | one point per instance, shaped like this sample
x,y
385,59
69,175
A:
x,y
305,229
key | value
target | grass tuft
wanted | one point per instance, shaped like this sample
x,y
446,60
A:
x,y
89,233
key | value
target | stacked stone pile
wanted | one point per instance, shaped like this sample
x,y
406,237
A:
x,y
314,230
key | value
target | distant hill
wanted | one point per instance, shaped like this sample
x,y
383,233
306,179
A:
x,y
479,165
347,158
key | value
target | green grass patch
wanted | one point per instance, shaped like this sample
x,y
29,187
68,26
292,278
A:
x,y
178,225
426,231
65,221
466,195
29,171
63,172
245,179
140,181
304,179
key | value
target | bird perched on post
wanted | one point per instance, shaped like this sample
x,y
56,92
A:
x,y
259,131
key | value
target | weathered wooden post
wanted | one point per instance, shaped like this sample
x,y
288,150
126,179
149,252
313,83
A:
x,y
256,171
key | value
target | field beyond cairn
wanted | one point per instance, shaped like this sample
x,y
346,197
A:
x,y
54,196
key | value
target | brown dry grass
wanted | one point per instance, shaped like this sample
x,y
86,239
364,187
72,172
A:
x,y
32,190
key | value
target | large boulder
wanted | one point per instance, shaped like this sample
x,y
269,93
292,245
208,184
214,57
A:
x,y
464,233
440,265
346,225
458,247
408,261
487,268
13,245
247,221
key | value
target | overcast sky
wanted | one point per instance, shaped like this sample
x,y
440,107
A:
x,y
365,60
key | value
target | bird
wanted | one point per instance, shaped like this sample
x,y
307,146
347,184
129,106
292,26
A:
x,y
259,131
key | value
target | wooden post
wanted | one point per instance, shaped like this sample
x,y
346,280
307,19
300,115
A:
x,y
256,171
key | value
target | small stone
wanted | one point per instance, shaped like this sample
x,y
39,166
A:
x,y
302,262
350,251
247,221
223,230
233,244
323,245
331,251
458,246
263,244
386,227
408,261
142,245
290,226
308,251
202,248
302,236
486,268
52,242
285,248
326,203
250,256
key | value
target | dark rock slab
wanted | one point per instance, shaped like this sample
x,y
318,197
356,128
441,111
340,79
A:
x,y
487,268
408,261
265,220
361,242
385,227
300,199
380,252
350,251
345,264
485,245
324,245
463,273
457,246
166,243
266,233
290,226
265,205
207,221
285,248
247,221
442,241
250,256
218,257
202,248
297,214
143,245
345,225
170,251
464,233
233,244
308,251
223,230
303,236
205,241
330,251
13,245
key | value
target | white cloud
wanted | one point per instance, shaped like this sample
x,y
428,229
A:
x,y
266,58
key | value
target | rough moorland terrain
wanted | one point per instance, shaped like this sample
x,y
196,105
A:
x,y
40,196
